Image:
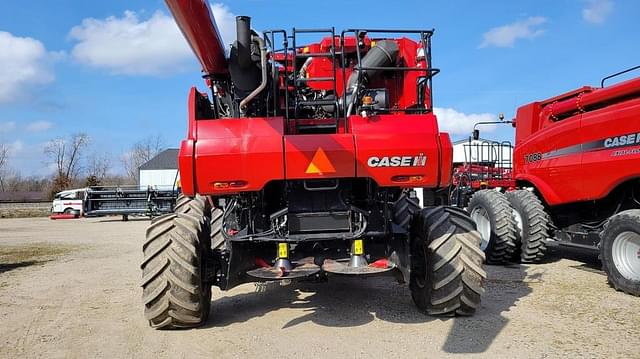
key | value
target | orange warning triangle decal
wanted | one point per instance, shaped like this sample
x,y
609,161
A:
x,y
320,163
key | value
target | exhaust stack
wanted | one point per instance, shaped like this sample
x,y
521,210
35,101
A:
x,y
243,36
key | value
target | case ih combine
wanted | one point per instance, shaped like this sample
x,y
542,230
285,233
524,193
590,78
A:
x,y
576,180
301,164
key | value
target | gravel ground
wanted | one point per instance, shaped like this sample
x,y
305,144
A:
x,y
69,289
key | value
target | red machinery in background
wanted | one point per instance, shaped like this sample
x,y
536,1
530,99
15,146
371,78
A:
x,y
577,178
301,163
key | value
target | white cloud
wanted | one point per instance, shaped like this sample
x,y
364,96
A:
x,y
15,147
24,64
507,35
597,11
131,46
226,23
6,127
458,123
39,126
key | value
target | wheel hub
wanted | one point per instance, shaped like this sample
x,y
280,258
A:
x,y
626,255
518,218
481,217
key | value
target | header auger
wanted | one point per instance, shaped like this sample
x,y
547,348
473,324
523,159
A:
x,y
301,163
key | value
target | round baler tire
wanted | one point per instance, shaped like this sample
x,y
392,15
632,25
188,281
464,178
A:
x,y
502,234
175,294
619,225
447,277
531,238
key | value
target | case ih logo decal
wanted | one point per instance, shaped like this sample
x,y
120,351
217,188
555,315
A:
x,y
398,161
621,141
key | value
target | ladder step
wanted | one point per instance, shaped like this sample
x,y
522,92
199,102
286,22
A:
x,y
317,54
317,103
310,79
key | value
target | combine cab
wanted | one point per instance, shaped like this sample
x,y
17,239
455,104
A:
x,y
301,164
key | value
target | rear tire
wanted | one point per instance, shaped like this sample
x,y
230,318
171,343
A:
x,y
446,262
197,206
620,251
175,293
404,210
217,239
492,213
532,225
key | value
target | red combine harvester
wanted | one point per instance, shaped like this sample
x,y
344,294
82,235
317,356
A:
x,y
577,174
302,164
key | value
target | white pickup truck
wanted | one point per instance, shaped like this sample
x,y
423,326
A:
x,y
69,202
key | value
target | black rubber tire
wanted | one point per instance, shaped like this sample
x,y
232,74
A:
x,y
626,221
197,206
447,277
501,246
404,209
217,239
175,294
531,243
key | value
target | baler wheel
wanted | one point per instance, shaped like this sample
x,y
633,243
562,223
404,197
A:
x,y
620,251
492,213
175,293
447,277
532,223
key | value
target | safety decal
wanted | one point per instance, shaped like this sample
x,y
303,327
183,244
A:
x,y
320,164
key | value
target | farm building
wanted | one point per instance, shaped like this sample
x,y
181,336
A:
x,y
161,171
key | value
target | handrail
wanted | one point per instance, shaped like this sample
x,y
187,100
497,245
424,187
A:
x,y
618,74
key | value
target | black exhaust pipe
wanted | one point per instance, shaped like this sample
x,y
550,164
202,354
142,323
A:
x,y
243,37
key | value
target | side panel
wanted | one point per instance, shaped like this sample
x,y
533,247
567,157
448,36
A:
x,y
319,156
550,158
185,167
611,147
233,155
397,150
446,160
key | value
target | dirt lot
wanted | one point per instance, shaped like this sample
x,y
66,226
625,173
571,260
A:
x,y
69,289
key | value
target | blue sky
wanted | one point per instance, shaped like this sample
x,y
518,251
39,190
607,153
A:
x,y
120,71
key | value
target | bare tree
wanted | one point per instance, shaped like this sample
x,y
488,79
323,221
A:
x,y
98,165
4,159
65,154
141,152
97,168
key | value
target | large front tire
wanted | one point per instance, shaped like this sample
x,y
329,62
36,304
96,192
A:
x,y
175,293
447,277
493,215
620,251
